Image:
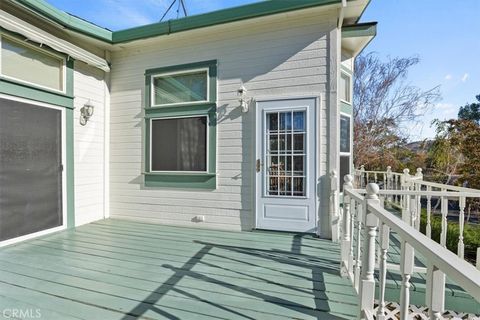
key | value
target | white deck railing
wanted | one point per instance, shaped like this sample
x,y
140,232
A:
x,y
363,215
407,192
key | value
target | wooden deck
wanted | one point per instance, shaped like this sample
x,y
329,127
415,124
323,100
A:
x,y
116,269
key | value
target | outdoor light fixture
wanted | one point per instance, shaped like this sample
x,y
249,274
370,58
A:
x,y
241,92
86,112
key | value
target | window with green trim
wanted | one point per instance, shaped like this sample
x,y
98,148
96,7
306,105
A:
x,y
180,126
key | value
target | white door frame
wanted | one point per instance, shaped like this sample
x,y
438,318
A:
x,y
64,172
311,164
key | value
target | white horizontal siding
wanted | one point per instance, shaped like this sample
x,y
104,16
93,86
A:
x,y
281,56
89,144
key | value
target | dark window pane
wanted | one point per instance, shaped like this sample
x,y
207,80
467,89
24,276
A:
x,y
298,143
272,121
344,169
179,144
345,134
299,121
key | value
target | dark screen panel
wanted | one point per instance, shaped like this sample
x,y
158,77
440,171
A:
x,y
30,169
179,144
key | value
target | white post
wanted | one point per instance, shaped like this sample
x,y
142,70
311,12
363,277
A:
x,y
362,176
384,244
405,185
419,174
334,216
358,242
367,283
388,185
345,247
418,188
461,223
406,269
435,294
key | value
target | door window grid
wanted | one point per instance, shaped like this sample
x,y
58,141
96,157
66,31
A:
x,y
286,160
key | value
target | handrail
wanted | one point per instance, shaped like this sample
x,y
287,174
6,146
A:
x,y
445,186
448,194
463,273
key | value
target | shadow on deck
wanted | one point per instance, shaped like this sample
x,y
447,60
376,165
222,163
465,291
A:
x,y
116,269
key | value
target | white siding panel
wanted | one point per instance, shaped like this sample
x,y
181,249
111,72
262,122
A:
x,y
89,145
282,56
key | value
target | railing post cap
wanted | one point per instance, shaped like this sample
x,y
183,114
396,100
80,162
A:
x,y
419,170
389,168
362,167
333,173
348,178
372,190
406,171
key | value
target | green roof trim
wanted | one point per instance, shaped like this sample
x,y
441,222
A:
x,y
368,29
67,20
249,11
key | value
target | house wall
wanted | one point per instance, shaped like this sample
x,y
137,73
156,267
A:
x,y
89,144
277,56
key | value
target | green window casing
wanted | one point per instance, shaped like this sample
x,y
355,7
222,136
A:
x,y
185,95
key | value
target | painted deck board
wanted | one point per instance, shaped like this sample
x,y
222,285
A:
x,y
123,270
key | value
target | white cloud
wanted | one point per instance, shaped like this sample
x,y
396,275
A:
x,y
465,77
448,77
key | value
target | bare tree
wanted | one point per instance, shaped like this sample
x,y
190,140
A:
x,y
383,103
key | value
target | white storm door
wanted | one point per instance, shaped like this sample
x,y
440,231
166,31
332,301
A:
x,y
285,165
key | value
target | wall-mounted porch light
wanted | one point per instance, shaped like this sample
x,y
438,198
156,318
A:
x,y
244,103
86,112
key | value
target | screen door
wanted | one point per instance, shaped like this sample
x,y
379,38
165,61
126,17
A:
x,y
30,168
285,165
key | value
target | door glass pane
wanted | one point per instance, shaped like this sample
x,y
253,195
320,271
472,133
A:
x,y
178,88
179,144
345,134
344,169
286,153
25,63
30,169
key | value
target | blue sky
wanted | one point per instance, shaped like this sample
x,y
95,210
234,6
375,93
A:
x,y
445,34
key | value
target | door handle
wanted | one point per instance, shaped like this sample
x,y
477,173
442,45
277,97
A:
x,y
259,165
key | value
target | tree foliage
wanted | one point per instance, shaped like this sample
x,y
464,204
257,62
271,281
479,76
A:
x,y
471,111
383,103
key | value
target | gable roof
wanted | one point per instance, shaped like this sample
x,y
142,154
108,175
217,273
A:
x,y
254,10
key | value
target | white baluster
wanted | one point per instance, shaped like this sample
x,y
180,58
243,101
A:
x,y
375,177
406,269
362,176
367,284
429,212
353,214
478,258
384,244
334,215
461,222
444,209
358,251
345,248
435,292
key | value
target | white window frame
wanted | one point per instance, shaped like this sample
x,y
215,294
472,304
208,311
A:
x,y
207,145
174,73
350,88
35,48
64,173
346,154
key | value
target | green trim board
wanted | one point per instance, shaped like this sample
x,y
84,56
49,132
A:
x,y
368,29
205,180
249,11
67,20
22,90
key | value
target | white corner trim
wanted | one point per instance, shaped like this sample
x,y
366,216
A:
x,y
14,24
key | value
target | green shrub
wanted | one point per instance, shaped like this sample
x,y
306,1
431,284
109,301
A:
x,y
471,234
